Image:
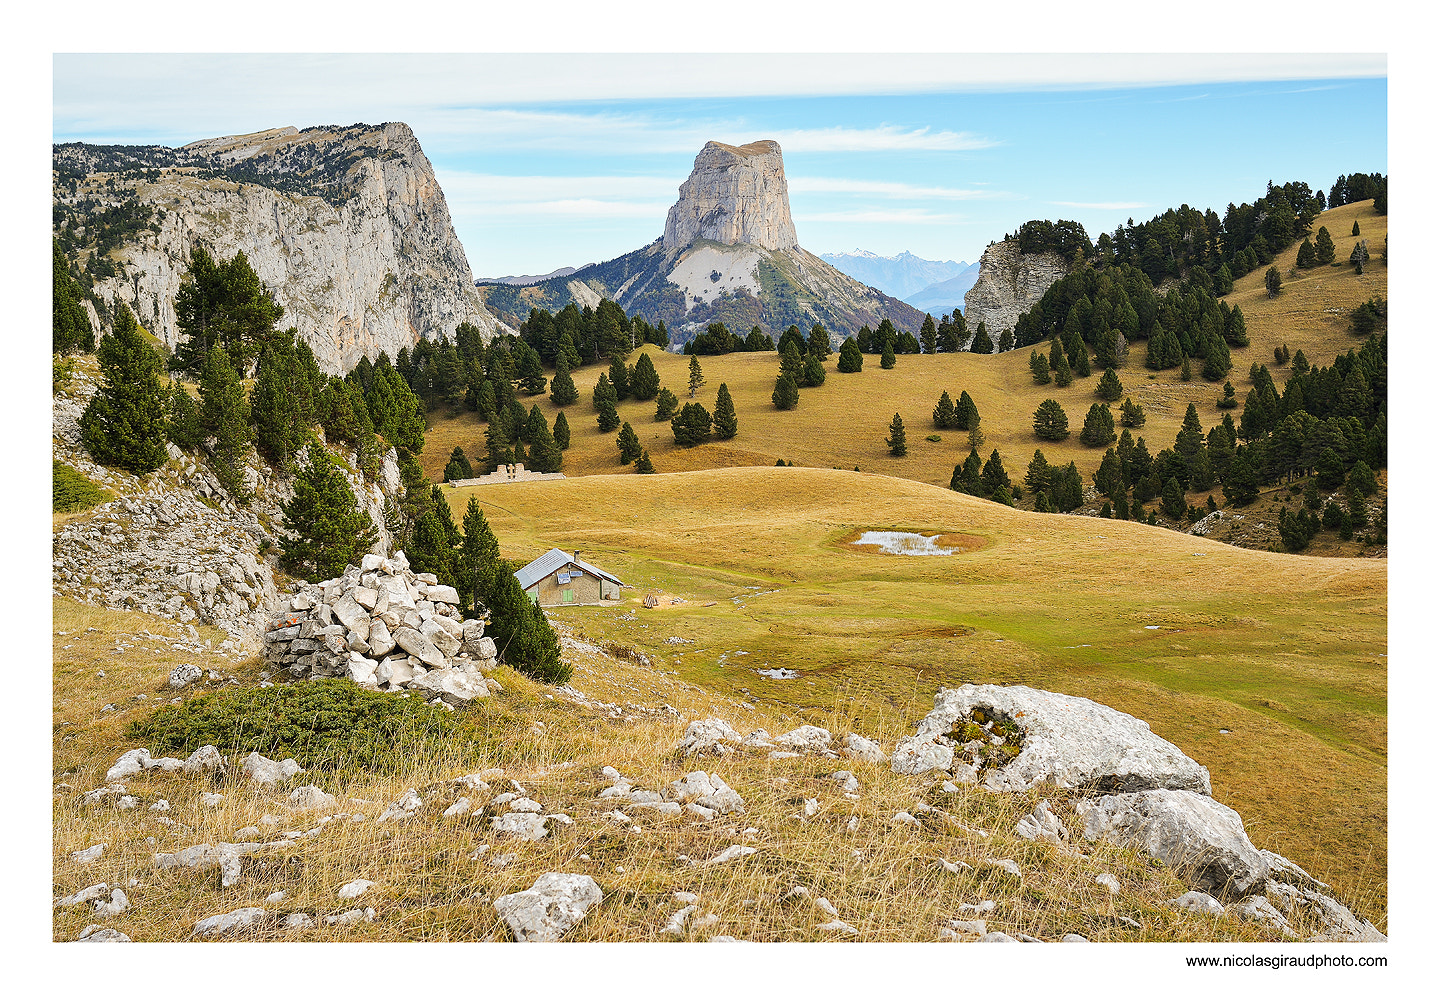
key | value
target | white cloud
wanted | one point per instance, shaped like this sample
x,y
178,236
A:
x,y
885,138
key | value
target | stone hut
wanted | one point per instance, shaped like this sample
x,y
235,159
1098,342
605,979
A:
x,y
560,578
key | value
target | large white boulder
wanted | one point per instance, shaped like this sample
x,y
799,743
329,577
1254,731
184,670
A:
x,y
1067,741
549,908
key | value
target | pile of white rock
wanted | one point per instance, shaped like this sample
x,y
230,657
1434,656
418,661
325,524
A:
x,y
384,626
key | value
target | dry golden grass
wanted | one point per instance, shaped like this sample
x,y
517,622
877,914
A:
x,y
883,878
1058,602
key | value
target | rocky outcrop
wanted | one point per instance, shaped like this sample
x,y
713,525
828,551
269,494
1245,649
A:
x,y
1010,282
729,254
1132,789
347,226
175,544
734,194
384,626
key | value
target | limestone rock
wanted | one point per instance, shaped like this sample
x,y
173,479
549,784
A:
x,y
204,760
1203,841
707,791
402,808
526,825
549,908
1043,824
309,796
413,642
707,736
734,194
355,889
805,738
860,748
1199,902
1008,284
265,772
185,674
95,934
129,764
228,924
1072,742
453,686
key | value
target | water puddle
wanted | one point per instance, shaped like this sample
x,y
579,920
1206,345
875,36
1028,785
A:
x,y
903,543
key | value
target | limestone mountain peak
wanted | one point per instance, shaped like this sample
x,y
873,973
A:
x,y
736,194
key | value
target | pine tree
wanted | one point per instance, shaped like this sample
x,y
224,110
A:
x,y
927,334
1324,247
982,343
1272,281
786,395
1109,387
330,529
726,424
562,385
608,420
993,477
896,439
428,548
1067,491
1108,477
692,425
666,405
1007,340
182,425
851,359
1064,377
458,468
1099,427
697,378
529,371
1038,473
944,413
545,455
1082,363
535,423
628,443
562,431
1050,421
124,424
967,416
603,391
1172,500
966,478
478,557
282,402
1359,256
887,357
814,373
619,378
225,416
819,343
1228,399
1185,373
1132,415
1305,257
643,464
70,329
645,380
1355,229
1056,353
1039,368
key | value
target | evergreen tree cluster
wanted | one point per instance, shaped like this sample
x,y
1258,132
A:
x,y
987,479
1361,186
885,338
961,414
222,303
71,330
717,340
588,335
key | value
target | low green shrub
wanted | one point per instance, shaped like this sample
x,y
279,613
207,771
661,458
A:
x,y
72,491
325,723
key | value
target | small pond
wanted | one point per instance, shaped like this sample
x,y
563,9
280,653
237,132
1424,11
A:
x,y
903,543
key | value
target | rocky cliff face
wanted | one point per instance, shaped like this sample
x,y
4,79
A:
x,y
734,194
1009,284
347,226
729,254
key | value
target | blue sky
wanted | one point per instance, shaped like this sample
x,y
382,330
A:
x,y
550,160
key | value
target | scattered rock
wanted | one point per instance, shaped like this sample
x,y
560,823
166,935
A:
x,y
846,780
355,889
211,800
1043,824
129,764
836,926
1199,902
118,903
352,916
707,791
402,808
85,856
860,748
731,852
1006,865
707,736
805,738
526,825
204,760
184,675
549,908
309,797
265,772
1109,882
94,933
229,923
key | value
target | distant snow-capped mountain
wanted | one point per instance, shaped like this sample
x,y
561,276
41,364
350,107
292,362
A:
x,y
899,276
946,296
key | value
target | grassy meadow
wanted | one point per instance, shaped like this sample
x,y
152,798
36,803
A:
x,y
1267,668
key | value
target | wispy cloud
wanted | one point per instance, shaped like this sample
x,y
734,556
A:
x,y
884,138
1099,205
886,188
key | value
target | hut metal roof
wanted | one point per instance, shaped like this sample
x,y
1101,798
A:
x,y
543,566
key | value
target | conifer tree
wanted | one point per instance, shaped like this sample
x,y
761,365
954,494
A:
x,y
1109,387
1038,473
692,425
645,380
70,329
1039,368
1324,247
1066,490
1082,363
697,378
850,357
182,424
1132,415
603,391
927,335
562,385
966,478
818,344
608,419
896,439
786,395
967,416
277,405
1305,257
1185,373
545,455
1050,421
529,371
1099,427
485,402
643,464
726,424
561,434
479,556
330,530
814,372
666,405
993,476
792,363
619,378
458,468
1056,352
628,443
887,357
124,424
1107,477
225,416
1227,400
1007,341
1063,375
944,413
1172,500
1272,281
982,342
1355,229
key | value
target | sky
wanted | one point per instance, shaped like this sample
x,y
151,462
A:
x,y
551,160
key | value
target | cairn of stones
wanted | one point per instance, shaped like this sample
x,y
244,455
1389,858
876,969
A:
x,y
383,626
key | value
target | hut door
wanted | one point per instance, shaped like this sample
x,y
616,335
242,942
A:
x,y
568,596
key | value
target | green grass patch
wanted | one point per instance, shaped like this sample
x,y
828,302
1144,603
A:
x,y
73,491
